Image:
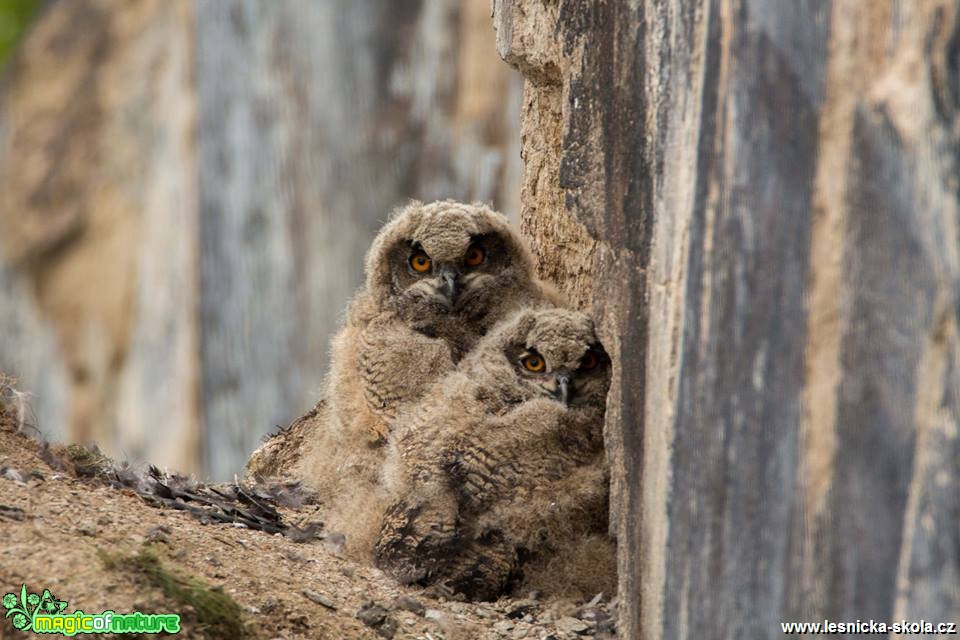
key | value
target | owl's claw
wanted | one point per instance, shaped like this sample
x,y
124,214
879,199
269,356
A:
x,y
482,568
413,542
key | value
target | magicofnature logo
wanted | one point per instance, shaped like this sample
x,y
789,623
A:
x,y
29,606
44,613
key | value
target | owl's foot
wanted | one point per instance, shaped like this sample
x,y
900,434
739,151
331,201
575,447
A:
x,y
414,541
481,569
421,544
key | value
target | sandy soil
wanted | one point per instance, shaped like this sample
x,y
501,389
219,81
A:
x,y
99,548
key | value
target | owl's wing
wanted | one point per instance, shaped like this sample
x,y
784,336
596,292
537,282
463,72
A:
x,y
504,452
542,516
396,365
280,455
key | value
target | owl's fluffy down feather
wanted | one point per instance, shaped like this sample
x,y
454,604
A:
x,y
404,331
491,478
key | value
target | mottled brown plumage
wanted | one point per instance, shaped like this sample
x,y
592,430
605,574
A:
x,y
439,276
501,461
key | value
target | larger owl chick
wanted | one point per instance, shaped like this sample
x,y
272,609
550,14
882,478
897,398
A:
x,y
438,276
502,463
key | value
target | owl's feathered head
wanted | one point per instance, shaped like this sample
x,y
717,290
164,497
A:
x,y
539,352
448,257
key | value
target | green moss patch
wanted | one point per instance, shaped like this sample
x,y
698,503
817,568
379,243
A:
x,y
215,614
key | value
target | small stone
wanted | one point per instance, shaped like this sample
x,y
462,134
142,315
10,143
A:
x,y
293,556
520,608
12,513
439,591
158,534
572,625
334,542
270,605
503,626
387,630
300,621
347,572
377,617
594,615
320,599
306,533
535,595
406,603
372,614
434,614
87,529
13,475
606,630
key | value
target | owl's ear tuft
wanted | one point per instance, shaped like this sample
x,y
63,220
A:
x,y
405,210
392,237
496,227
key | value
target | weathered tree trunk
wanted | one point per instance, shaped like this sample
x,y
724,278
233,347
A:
x,y
759,201
188,189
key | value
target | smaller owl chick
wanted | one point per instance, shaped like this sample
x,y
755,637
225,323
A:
x,y
503,461
437,277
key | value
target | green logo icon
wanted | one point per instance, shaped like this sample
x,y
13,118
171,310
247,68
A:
x,y
26,608
44,613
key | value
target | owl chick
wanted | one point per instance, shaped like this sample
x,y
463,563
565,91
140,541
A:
x,y
503,461
437,277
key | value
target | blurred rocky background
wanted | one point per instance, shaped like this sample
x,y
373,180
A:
x,y
187,190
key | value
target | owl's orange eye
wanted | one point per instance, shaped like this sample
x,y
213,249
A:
x,y
590,361
420,262
474,256
533,362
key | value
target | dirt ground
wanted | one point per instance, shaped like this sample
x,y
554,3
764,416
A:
x,y
103,548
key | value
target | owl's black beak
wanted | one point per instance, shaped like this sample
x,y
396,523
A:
x,y
564,388
449,283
